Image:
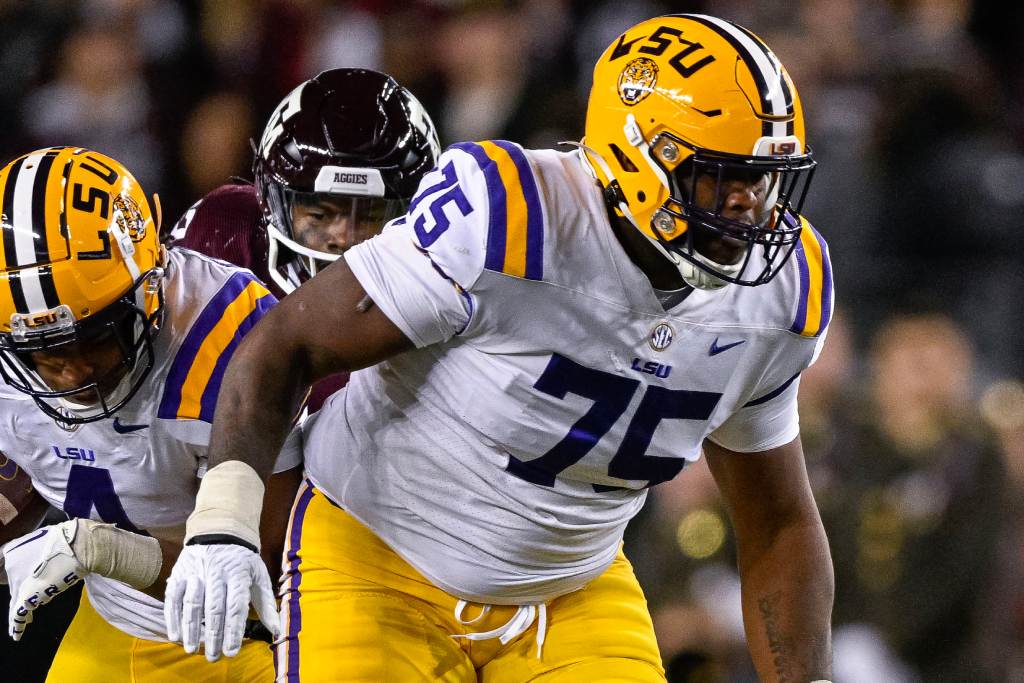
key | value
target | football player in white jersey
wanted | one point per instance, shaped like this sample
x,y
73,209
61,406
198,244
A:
x,y
542,337
112,351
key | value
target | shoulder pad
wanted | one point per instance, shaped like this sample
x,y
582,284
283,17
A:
x,y
515,227
195,374
813,306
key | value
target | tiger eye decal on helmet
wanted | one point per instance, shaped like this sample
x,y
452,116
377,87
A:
x,y
80,261
129,217
637,80
685,111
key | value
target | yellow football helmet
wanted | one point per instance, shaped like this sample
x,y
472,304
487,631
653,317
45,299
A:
x,y
80,262
686,98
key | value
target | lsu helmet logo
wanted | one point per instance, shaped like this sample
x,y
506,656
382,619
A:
x,y
44,320
637,80
129,217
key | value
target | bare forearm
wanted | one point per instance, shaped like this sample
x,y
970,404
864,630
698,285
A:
x,y
262,389
327,325
787,606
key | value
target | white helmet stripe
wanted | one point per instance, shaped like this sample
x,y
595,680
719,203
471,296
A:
x,y
767,71
25,233
29,238
33,290
786,90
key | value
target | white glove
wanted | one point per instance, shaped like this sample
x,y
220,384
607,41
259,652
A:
x,y
217,582
40,565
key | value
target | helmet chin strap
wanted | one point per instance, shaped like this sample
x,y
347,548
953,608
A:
x,y
692,274
115,396
311,257
275,273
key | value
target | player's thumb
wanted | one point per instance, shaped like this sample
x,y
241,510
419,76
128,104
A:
x,y
265,604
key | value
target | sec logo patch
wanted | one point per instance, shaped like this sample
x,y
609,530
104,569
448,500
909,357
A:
x,y
661,337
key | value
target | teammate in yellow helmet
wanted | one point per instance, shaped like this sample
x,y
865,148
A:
x,y
112,351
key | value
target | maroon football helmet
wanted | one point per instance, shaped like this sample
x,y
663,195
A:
x,y
353,136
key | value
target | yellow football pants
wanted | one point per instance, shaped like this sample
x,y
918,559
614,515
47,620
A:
x,y
353,610
93,651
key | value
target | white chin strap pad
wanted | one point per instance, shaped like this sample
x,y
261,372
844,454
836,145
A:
x,y
698,278
693,275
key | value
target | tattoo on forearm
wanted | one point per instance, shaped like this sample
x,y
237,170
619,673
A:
x,y
781,646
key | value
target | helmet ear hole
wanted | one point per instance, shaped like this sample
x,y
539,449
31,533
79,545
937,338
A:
x,y
641,196
624,161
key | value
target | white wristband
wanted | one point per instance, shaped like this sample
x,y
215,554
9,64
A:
x,y
229,501
118,554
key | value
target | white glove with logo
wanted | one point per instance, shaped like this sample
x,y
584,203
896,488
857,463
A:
x,y
40,565
217,582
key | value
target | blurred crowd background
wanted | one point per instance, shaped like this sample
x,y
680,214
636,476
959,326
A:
x,y
913,418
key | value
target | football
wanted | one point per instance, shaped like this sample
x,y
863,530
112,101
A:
x,y
21,506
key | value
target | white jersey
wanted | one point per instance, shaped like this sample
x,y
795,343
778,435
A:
x,y
141,468
550,387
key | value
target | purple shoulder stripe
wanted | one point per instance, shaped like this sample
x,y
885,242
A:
x,y
534,212
209,400
497,214
805,286
826,285
204,324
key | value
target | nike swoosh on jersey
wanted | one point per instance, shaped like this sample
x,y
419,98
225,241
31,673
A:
x,y
716,349
121,428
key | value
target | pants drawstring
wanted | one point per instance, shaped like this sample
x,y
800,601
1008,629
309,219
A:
x,y
511,629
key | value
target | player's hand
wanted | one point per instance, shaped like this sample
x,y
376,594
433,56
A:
x,y
209,590
40,565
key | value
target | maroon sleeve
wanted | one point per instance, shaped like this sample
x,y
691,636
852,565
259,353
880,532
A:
x,y
323,389
225,224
